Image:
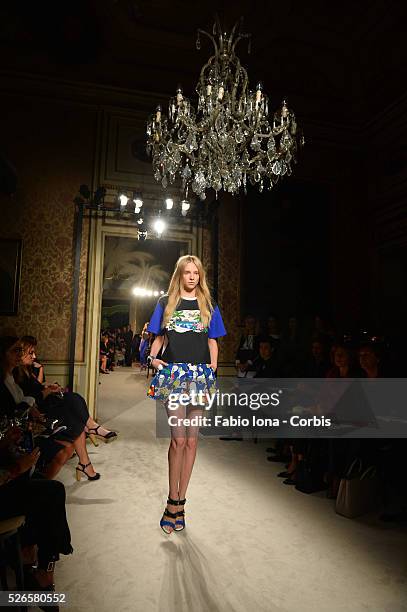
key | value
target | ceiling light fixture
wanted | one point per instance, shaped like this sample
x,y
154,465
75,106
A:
x,y
229,139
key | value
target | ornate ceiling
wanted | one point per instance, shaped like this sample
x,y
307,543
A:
x,y
338,62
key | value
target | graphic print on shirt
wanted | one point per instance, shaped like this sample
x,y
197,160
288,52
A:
x,y
186,320
186,337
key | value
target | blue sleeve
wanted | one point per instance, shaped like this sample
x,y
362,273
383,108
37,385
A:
x,y
156,318
216,326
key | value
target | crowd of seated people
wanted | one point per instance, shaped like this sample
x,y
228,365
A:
x,y
268,352
121,347
42,426
118,347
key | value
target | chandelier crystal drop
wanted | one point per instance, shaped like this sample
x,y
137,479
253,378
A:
x,y
230,139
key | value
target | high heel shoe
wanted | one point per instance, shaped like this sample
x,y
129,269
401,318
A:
x,y
31,582
181,513
82,469
91,438
172,515
112,435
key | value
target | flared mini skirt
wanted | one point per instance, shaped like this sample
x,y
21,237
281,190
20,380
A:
x,y
182,378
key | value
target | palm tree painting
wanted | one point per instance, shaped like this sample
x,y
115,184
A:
x,y
128,264
125,267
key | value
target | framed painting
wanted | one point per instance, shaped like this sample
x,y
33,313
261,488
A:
x,y
10,272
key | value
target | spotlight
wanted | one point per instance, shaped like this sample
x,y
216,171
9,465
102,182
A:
x,y
123,200
155,293
159,226
169,202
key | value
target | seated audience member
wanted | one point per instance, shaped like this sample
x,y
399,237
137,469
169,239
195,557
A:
x,y
370,361
316,364
56,450
72,402
344,363
104,354
69,406
248,347
45,534
341,451
267,364
119,356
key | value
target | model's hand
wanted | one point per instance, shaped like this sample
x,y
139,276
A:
x,y
156,362
212,365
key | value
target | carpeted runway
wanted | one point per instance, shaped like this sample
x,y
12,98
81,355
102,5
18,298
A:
x,y
250,542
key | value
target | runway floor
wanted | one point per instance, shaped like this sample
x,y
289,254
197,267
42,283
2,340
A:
x,y
251,543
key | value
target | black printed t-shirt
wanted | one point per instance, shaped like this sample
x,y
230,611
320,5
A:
x,y
186,337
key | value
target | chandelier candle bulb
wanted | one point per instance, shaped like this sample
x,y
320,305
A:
x,y
158,114
179,96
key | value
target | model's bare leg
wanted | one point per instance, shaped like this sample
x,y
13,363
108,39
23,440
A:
x,y
190,452
175,458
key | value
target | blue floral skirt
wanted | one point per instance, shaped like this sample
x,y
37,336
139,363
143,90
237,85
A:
x,y
182,378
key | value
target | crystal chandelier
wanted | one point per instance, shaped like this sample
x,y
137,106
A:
x,y
230,139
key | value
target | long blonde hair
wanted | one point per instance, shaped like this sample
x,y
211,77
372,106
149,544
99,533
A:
x,y
203,295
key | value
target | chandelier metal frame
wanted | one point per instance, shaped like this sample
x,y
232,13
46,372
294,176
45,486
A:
x,y
229,139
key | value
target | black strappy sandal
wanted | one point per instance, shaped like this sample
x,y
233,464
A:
x,y
112,435
181,513
172,515
82,469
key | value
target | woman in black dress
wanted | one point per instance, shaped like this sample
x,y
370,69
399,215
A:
x,y
68,407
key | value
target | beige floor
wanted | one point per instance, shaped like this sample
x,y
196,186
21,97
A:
x,y
250,543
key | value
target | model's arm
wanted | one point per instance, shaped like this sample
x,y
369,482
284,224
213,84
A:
x,y
155,348
213,351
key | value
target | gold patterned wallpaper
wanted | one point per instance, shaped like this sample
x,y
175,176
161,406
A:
x,y
51,145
